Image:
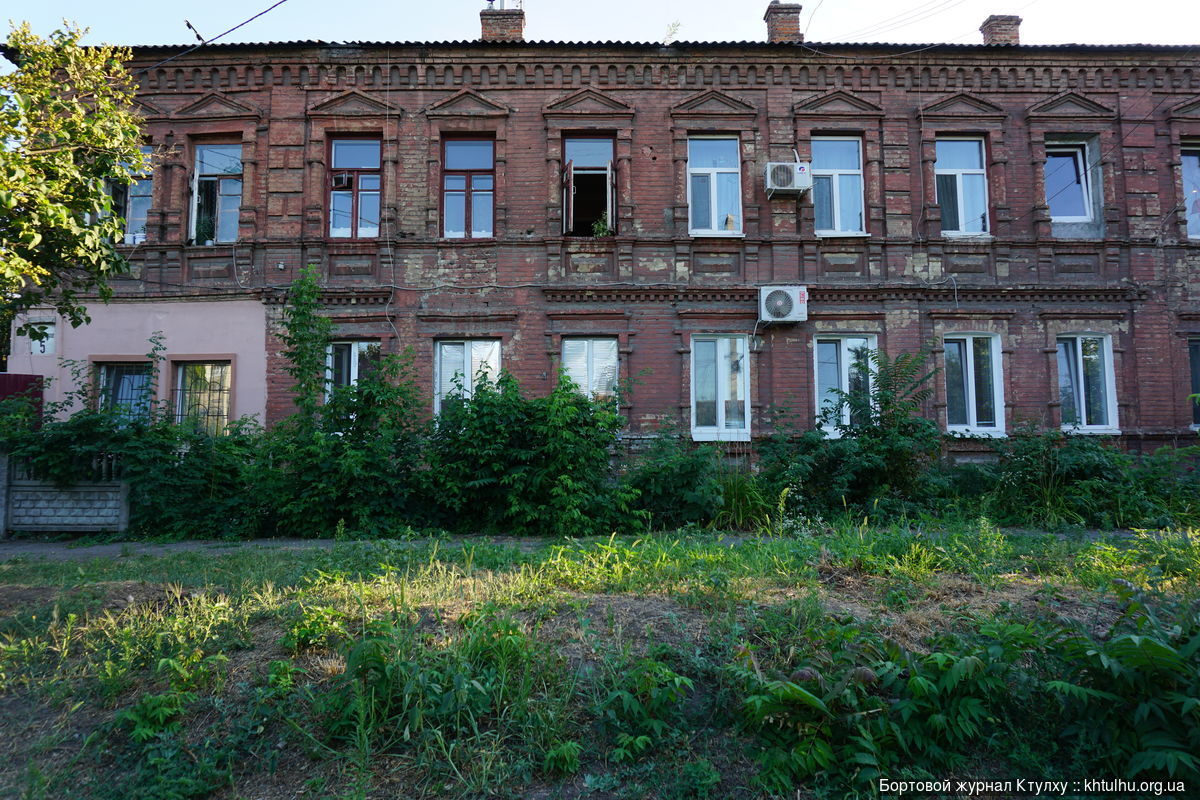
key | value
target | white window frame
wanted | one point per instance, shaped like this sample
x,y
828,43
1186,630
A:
x,y
586,388
1110,383
357,348
1079,150
712,173
835,192
958,185
196,177
570,170
718,432
468,386
972,427
1190,148
844,361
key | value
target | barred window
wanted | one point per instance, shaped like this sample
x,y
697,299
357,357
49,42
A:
x,y
125,389
202,394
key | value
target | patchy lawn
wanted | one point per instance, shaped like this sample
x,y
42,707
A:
x,y
675,666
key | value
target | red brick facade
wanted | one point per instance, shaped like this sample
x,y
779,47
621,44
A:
x,y
1131,278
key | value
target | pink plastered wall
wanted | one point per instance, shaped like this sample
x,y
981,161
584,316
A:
x,y
225,330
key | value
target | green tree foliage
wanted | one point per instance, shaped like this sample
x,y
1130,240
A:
x,y
67,131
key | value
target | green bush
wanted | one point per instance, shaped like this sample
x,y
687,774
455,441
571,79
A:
x,y
1052,479
879,460
498,461
856,707
677,483
1132,702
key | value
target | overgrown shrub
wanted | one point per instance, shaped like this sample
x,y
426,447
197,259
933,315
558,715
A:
x,y
498,461
1052,479
677,483
883,449
1123,705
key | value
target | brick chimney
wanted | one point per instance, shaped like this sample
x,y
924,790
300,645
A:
x,y
1001,29
502,24
783,22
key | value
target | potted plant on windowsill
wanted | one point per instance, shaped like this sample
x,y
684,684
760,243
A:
x,y
601,228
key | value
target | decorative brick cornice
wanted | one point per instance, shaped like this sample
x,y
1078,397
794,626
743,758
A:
x,y
334,297
839,294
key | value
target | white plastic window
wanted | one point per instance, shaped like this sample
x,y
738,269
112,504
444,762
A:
x,y
1068,183
838,185
961,186
720,388
714,187
843,368
974,385
459,365
1086,383
591,364
344,361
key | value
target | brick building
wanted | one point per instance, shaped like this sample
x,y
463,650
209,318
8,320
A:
x,y
1030,212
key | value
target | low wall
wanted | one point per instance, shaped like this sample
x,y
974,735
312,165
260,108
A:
x,y
33,505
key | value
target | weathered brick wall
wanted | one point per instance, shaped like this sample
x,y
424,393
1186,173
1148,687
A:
x,y
905,283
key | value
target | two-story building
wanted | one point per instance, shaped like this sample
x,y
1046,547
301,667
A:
x,y
1031,213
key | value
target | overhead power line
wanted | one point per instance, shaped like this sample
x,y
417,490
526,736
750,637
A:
x,y
210,41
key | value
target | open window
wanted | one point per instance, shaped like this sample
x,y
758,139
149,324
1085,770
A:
x,y
589,183
216,193
346,361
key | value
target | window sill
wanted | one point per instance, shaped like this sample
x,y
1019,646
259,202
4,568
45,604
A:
x,y
720,436
1097,431
841,235
716,235
1072,221
976,433
969,237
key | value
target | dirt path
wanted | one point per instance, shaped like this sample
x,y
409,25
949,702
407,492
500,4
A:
x,y
71,551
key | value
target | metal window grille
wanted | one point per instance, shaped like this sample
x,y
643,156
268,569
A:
x,y
202,396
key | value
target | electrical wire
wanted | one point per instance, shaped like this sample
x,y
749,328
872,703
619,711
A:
x,y
194,48
905,20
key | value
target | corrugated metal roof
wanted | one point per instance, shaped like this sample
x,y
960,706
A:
x,y
658,46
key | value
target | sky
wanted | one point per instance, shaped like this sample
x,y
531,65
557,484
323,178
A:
x,y
132,22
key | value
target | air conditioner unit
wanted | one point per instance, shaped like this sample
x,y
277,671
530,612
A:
x,y
782,303
788,176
